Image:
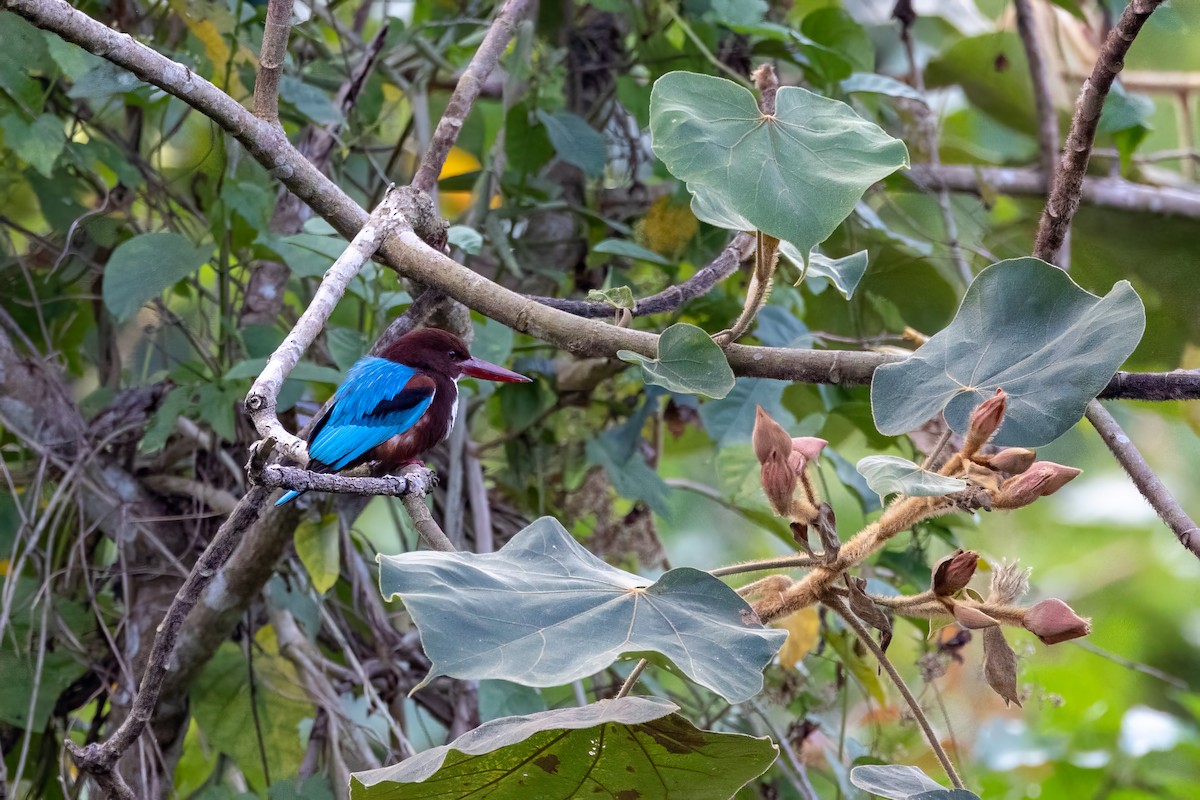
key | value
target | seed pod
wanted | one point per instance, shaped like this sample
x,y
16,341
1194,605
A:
x,y
954,572
1053,621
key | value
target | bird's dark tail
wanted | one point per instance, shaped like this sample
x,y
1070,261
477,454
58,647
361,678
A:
x,y
287,498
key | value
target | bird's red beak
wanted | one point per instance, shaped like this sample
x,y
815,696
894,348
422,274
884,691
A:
x,y
478,368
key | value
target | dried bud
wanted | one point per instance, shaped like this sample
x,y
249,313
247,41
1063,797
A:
x,y
953,573
769,437
971,617
779,482
773,446
985,420
1010,582
1042,479
1053,621
1013,460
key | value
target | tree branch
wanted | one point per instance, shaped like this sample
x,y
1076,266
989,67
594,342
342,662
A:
x,y
1068,180
468,88
406,253
270,60
865,637
1148,483
1116,193
99,759
725,264
260,402
417,480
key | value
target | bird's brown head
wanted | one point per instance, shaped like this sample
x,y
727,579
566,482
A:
x,y
434,350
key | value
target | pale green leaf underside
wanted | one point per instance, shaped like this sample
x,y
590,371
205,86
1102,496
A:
x,y
796,175
894,475
689,362
1023,326
521,614
628,747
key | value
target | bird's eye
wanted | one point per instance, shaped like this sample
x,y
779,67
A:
x,y
455,355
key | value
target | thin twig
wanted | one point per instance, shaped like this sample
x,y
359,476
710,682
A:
x,y
1068,180
99,759
928,124
783,562
1047,114
634,674
865,637
276,31
468,88
1144,478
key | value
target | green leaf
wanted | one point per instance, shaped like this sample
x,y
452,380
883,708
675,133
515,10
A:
x,y
994,74
843,45
346,345
59,671
221,702
689,362
737,12
875,83
38,143
303,371
308,255
104,80
897,782
575,141
145,266
628,249
316,543
894,475
731,419
844,273
469,240
617,297
631,747
795,175
557,595
1023,326
309,101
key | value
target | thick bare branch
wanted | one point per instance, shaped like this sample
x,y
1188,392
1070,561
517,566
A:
x,y
1068,180
276,31
1116,193
417,480
463,98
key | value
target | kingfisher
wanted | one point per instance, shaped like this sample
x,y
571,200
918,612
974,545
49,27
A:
x,y
395,406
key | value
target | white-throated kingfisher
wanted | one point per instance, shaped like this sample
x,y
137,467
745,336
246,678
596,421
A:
x,y
395,406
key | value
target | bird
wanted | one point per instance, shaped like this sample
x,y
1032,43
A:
x,y
395,406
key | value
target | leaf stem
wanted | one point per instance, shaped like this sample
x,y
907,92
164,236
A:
x,y
783,562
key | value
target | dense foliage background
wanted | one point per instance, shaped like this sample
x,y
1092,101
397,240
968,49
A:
x,y
148,266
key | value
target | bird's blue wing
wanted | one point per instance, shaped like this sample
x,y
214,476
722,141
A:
x,y
379,399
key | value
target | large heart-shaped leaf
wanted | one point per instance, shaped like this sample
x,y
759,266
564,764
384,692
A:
x,y
628,747
1023,326
689,362
543,611
894,475
794,175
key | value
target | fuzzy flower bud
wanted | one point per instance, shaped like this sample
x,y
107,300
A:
x,y
773,446
1042,479
1053,621
984,421
954,572
1013,460
804,450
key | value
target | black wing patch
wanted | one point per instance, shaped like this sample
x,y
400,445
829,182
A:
x,y
418,389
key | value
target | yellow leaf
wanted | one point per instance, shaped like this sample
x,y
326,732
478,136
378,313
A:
x,y
4,567
804,628
667,228
316,543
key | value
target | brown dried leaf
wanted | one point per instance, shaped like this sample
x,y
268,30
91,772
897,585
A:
x,y
1000,665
